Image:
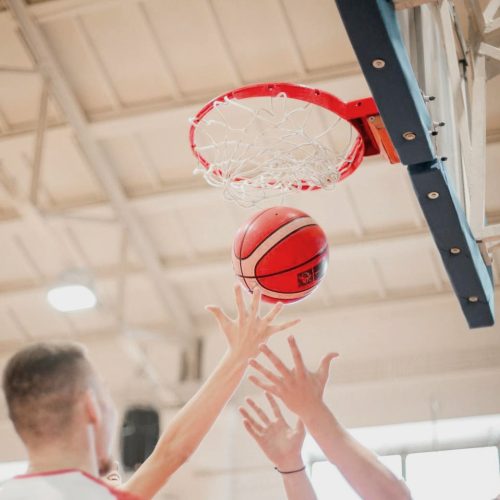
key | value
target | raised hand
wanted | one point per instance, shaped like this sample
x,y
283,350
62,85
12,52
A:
x,y
186,430
245,333
300,389
281,443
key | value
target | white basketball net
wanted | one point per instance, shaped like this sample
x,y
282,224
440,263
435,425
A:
x,y
258,148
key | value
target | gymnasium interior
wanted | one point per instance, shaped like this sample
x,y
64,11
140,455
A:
x,y
153,241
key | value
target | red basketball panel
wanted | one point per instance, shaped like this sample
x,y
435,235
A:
x,y
302,278
261,226
242,230
292,251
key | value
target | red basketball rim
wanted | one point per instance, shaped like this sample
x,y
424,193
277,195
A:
x,y
355,112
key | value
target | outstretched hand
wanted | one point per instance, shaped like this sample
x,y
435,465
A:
x,y
281,443
300,389
249,330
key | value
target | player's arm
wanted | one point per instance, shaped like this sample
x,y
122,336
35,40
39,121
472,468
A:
x,y
302,391
185,432
282,444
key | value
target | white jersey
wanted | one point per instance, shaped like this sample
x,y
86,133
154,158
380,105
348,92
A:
x,y
60,485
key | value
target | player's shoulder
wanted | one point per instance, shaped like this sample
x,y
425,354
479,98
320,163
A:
x,y
61,485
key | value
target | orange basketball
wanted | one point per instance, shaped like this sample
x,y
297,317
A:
x,y
283,251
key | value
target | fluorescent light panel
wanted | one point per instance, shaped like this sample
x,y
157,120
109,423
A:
x,y
67,298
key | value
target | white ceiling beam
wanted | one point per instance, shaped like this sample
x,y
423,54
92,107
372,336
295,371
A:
x,y
39,144
154,116
53,10
236,76
100,165
296,52
182,195
168,70
490,11
185,269
132,119
319,312
93,54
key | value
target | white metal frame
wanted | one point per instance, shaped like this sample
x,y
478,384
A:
x,y
460,90
470,104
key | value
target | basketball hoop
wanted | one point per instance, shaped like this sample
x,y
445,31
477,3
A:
x,y
267,139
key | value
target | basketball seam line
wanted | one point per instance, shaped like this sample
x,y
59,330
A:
x,y
270,234
241,246
284,270
285,293
278,242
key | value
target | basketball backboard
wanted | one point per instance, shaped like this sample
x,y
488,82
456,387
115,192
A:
x,y
430,90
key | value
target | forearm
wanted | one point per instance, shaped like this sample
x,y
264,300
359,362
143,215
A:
x,y
298,486
361,468
187,429
194,420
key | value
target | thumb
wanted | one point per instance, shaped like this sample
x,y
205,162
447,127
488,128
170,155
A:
x,y
113,476
300,428
324,367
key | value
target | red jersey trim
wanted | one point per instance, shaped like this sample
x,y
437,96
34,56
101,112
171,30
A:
x,y
119,494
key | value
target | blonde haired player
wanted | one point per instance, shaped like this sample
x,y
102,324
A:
x,y
66,418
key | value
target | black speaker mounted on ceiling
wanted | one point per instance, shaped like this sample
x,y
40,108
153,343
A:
x,y
139,435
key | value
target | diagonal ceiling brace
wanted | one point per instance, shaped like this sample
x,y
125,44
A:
x,y
101,166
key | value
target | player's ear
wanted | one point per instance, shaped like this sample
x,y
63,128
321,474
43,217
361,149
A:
x,y
91,406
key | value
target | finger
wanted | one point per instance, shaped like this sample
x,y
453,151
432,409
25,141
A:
x,y
219,315
255,302
278,364
285,326
271,315
274,406
251,430
271,377
262,385
240,303
300,428
114,474
258,410
297,356
115,467
324,367
244,413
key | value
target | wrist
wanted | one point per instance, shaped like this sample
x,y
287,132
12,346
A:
x,y
238,359
289,463
320,417
313,411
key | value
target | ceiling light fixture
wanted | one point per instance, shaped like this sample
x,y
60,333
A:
x,y
73,292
